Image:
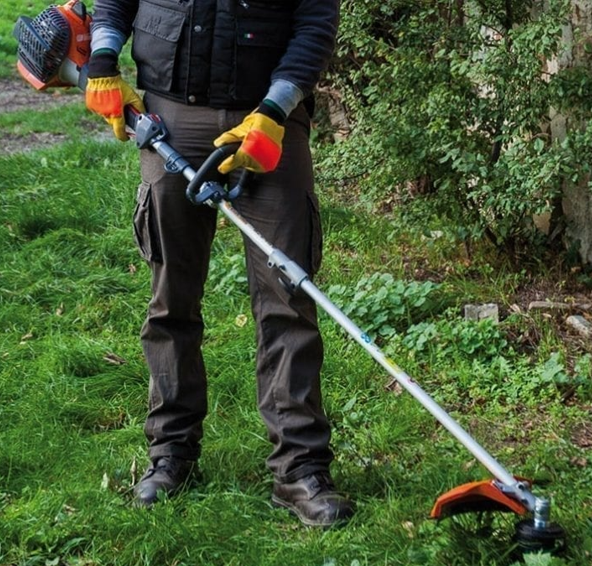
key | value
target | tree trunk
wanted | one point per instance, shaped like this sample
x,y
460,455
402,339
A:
x,y
577,199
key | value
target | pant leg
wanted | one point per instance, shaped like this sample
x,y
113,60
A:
x,y
283,208
179,237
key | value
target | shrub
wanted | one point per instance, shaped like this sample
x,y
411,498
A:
x,y
454,101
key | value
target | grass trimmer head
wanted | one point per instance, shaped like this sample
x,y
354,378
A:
x,y
535,534
53,51
54,47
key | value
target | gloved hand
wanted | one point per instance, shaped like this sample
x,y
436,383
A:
x,y
107,93
261,134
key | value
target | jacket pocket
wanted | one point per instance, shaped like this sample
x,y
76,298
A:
x,y
157,30
145,231
262,36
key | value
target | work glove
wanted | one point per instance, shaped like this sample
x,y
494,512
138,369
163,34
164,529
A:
x,y
107,93
261,134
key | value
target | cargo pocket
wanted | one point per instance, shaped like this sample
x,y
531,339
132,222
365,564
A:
x,y
316,239
261,40
157,30
145,232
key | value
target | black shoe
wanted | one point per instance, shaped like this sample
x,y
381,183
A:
x,y
313,500
166,474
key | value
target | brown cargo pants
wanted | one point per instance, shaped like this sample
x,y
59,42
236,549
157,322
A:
x,y
175,237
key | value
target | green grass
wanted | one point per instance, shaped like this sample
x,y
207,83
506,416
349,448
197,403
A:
x,y
66,118
72,298
73,383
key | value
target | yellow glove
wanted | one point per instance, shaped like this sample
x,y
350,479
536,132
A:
x,y
261,146
107,93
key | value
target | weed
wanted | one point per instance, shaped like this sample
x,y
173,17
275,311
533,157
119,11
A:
x,y
382,305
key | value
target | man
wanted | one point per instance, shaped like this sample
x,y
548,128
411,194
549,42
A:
x,y
221,71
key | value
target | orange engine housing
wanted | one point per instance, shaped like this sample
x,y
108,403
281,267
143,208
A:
x,y
74,17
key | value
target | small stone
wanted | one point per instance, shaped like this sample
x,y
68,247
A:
x,y
481,312
105,482
580,325
548,306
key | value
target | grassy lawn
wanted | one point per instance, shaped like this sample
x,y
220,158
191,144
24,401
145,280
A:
x,y
73,294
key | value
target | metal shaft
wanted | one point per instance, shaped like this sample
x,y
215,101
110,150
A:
x,y
294,273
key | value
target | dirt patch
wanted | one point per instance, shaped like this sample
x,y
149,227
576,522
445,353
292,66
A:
x,y
16,94
582,436
18,143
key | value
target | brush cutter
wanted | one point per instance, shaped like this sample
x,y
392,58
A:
x,y
52,51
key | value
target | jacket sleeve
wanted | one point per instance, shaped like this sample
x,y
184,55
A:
x,y
112,23
308,52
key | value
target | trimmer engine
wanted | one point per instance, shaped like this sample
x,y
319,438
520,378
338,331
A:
x,y
54,47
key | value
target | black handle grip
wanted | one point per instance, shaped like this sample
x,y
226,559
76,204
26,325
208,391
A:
x,y
199,191
131,116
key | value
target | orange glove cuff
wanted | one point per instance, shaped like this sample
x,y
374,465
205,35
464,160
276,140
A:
x,y
264,150
261,144
104,98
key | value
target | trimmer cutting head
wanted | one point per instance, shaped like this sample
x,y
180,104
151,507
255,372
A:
x,y
474,497
54,46
536,534
532,537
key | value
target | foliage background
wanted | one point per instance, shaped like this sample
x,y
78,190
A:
x,y
455,101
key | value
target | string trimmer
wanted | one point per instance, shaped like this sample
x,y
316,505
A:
x,y
53,49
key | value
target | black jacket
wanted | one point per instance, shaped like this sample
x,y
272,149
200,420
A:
x,y
224,53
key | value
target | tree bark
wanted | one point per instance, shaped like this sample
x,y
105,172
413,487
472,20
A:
x,y
577,199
